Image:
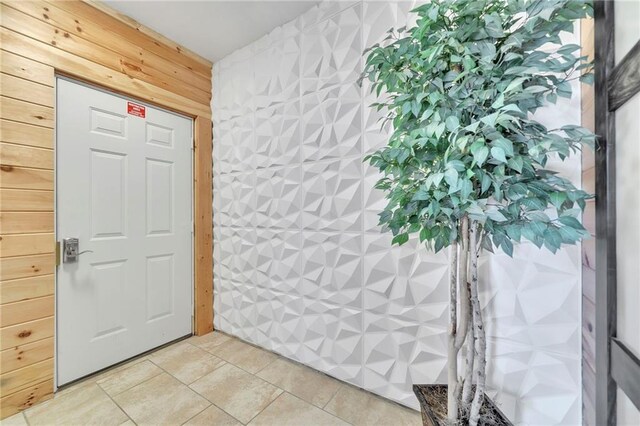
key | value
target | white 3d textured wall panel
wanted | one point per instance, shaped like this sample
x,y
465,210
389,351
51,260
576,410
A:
x,y
301,267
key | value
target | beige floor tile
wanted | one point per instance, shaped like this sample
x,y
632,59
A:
x,y
209,341
301,381
186,362
237,392
213,416
288,410
161,400
129,377
128,423
93,379
87,405
362,408
244,355
15,420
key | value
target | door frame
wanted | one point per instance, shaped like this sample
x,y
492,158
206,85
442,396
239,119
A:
x,y
202,194
58,254
616,365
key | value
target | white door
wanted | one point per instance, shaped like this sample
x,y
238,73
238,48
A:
x,y
123,189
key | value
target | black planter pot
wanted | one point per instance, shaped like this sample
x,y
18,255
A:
x,y
433,406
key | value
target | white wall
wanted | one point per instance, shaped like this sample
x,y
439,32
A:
x,y
301,267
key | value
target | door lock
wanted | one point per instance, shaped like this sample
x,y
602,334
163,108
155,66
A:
x,y
70,250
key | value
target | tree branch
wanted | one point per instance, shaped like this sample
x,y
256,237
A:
x,y
452,353
467,395
480,338
463,268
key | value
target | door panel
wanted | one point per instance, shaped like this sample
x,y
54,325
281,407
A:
x,y
124,190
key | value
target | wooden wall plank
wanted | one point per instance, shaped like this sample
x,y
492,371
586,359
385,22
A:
x,y
24,355
19,88
26,222
26,310
26,156
21,400
97,11
22,23
25,134
22,67
26,112
94,44
55,14
26,266
22,378
23,200
25,244
86,70
21,334
26,288
203,227
23,178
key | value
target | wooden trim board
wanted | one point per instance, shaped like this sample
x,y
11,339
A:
x,y
91,43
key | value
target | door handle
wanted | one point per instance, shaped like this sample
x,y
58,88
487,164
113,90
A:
x,y
70,250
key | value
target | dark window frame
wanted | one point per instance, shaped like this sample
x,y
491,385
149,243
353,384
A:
x,y
616,365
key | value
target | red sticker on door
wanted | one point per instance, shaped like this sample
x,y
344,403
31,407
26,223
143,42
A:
x,y
135,109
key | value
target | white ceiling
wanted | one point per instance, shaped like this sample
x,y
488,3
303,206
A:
x,y
212,29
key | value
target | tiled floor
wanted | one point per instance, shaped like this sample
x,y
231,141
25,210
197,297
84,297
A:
x,y
214,380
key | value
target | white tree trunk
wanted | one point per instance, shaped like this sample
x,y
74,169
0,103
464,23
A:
x,y
452,353
463,297
480,338
467,395
463,279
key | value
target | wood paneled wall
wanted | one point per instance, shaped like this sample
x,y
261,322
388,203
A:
x,y
90,42
587,41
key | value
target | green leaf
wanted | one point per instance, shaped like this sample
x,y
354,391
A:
x,y
452,123
490,120
499,102
570,221
498,154
516,163
586,78
552,239
505,144
400,239
515,83
514,232
557,198
451,177
507,247
421,195
473,126
424,234
495,215
486,183
480,152
568,49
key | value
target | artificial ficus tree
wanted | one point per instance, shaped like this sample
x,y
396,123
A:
x,y
466,165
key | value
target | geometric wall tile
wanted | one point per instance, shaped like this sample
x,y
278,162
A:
x,y
278,198
332,268
277,79
331,51
277,135
331,195
331,123
301,266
